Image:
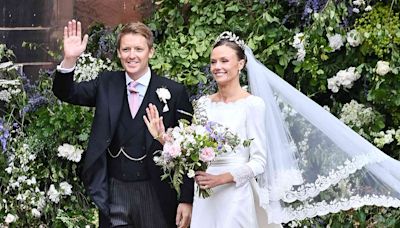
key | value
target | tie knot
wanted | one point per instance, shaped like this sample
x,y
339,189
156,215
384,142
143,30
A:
x,y
132,87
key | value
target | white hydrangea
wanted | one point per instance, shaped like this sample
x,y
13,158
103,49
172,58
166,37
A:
x,y
356,115
88,67
382,67
397,136
382,138
53,194
70,152
353,38
335,41
66,189
8,89
343,78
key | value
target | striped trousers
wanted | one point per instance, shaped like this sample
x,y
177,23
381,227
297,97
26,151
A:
x,y
134,205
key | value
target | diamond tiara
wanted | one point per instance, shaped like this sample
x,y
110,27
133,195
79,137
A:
x,y
231,37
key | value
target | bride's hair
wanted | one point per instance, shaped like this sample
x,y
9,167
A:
x,y
231,40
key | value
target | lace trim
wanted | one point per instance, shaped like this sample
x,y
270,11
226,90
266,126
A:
x,y
323,208
242,175
324,182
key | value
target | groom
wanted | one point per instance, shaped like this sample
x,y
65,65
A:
x,y
118,171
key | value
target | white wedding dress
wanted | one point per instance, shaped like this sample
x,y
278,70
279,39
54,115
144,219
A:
x,y
236,205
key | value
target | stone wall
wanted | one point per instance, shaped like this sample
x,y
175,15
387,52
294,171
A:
x,y
42,21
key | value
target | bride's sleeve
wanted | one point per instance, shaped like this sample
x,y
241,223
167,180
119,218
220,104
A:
x,y
255,129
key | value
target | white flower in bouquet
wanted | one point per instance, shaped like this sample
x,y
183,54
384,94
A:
x,y
53,194
353,37
66,189
200,130
70,152
382,67
335,41
191,173
368,8
356,10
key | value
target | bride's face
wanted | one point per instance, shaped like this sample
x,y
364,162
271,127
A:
x,y
225,64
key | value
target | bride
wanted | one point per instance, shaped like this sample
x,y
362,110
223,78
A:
x,y
302,161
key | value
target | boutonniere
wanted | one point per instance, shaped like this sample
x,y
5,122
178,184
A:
x,y
164,95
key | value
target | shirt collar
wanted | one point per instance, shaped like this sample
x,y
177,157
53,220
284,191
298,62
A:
x,y
144,80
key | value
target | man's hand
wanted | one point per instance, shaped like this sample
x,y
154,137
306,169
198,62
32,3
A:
x,y
183,215
74,45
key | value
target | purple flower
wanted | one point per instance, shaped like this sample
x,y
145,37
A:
x,y
34,103
5,134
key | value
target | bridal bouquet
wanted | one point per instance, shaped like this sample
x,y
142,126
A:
x,y
191,147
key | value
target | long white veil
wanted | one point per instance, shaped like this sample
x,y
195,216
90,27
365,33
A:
x,y
316,164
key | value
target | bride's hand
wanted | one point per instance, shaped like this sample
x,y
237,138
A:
x,y
206,180
154,123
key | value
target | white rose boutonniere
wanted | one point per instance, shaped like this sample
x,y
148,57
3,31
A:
x,y
164,95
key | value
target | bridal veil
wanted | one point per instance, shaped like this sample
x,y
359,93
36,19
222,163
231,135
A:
x,y
316,164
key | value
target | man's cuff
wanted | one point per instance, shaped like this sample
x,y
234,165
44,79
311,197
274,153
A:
x,y
64,70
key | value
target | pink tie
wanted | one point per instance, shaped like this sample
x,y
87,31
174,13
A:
x,y
133,98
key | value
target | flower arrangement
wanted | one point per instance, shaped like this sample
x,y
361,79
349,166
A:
x,y
192,147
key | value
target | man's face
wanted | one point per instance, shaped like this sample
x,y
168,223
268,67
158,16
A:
x,y
134,54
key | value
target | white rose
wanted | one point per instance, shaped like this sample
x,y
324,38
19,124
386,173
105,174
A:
x,y
368,8
53,194
66,188
10,218
382,67
163,94
332,84
353,38
356,10
335,41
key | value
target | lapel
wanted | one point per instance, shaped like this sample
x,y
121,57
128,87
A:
x,y
116,92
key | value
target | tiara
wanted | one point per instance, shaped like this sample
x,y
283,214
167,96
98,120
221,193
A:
x,y
231,37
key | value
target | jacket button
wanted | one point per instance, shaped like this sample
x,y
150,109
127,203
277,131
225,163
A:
x,y
108,140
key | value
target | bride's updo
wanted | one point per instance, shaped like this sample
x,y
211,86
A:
x,y
233,41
